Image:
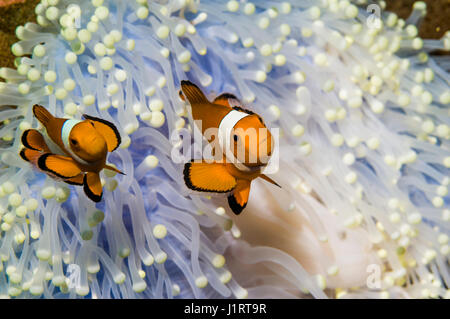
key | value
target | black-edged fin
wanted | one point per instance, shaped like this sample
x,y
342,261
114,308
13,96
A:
x,y
29,155
23,154
61,166
108,130
234,205
193,93
208,177
34,140
223,99
241,109
77,180
42,114
268,179
238,200
93,186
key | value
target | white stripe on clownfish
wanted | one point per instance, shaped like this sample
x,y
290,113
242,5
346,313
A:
x,y
65,137
226,128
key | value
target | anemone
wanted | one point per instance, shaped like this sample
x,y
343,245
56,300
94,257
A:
x,y
364,157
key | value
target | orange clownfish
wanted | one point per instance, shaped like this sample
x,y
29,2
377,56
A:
x,y
72,150
242,156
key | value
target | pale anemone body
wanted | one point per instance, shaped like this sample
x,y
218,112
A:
x,y
364,153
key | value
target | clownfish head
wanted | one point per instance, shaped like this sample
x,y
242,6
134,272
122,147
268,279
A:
x,y
251,141
86,142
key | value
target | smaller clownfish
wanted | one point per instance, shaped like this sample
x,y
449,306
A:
x,y
73,151
242,147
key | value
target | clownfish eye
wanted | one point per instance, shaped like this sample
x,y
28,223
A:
x,y
235,137
73,141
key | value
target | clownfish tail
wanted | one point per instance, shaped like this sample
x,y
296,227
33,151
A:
x,y
42,114
193,93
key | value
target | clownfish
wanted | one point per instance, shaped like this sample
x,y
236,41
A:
x,y
73,151
242,156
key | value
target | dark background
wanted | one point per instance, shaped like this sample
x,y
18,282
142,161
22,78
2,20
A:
x,y
435,24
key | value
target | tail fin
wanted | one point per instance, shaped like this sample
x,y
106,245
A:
x,y
42,114
193,93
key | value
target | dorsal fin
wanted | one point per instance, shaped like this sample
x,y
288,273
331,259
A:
x,y
193,93
238,108
42,114
223,98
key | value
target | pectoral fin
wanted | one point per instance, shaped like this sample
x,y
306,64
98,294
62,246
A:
x,y
208,177
93,186
58,165
112,168
238,200
268,179
108,130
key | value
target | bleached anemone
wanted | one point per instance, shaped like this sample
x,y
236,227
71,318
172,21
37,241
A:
x,y
364,153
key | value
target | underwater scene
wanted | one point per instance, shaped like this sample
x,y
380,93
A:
x,y
213,149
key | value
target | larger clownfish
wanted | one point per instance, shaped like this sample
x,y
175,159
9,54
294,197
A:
x,y
72,150
234,172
